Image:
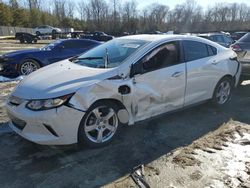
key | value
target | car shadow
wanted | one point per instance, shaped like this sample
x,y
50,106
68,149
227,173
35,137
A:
x,y
23,163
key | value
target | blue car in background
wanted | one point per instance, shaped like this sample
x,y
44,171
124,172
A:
x,y
24,62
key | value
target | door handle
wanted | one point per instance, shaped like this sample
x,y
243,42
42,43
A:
x,y
177,74
215,62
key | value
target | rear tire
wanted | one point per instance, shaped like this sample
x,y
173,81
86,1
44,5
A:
x,y
100,125
22,41
223,91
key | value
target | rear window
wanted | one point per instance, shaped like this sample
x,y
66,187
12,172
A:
x,y
211,50
195,50
217,38
245,38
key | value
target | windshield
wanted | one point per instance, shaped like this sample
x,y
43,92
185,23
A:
x,y
110,54
51,45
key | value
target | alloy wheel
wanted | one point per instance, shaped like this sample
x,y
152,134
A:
x,y
101,124
28,67
223,92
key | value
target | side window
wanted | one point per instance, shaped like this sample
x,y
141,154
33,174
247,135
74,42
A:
x,y
211,50
163,56
227,39
85,44
217,38
245,38
195,50
69,44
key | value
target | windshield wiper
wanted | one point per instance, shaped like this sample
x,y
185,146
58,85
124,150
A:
x,y
89,58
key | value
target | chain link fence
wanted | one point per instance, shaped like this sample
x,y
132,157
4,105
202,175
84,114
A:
x,y
11,31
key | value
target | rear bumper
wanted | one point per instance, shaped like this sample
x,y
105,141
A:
x,y
245,68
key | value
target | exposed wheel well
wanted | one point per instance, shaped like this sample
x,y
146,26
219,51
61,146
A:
x,y
115,101
230,77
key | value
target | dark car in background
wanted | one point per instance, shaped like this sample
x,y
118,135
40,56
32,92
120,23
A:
x,y
24,62
98,35
26,37
219,38
237,35
242,48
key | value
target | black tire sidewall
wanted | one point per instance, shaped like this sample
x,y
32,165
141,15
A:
x,y
38,33
83,139
214,99
35,62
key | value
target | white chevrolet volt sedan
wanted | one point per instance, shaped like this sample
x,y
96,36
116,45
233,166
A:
x,y
87,98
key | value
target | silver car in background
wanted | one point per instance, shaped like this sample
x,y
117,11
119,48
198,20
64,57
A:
x,y
46,29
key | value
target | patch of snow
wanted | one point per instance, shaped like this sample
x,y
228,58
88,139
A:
x,y
5,79
246,82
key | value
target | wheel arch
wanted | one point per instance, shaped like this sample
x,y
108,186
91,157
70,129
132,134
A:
x,y
115,101
34,59
18,66
123,113
232,78
80,136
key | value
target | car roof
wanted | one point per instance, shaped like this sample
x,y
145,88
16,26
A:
x,y
240,32
63,40
155,37
210,34
160,38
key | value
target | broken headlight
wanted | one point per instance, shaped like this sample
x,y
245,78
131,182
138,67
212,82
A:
x,y
46,104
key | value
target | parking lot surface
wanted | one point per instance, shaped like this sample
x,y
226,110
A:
x,y
24,164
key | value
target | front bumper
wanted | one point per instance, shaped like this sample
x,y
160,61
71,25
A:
x,y
57,126
8,70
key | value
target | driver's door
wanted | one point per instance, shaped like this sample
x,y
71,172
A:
x,y
159,81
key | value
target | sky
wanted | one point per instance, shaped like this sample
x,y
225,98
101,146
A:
x,y
172,3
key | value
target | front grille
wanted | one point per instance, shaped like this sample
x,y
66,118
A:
x,y
18,123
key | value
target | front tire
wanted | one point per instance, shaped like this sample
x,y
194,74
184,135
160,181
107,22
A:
x,y
99,125
28,66
222,92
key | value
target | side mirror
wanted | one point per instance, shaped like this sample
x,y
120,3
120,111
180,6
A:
x,y
136,69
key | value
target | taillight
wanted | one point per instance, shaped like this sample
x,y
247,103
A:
x,y
236,48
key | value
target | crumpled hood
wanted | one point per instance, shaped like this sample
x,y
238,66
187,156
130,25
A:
x,y
58,79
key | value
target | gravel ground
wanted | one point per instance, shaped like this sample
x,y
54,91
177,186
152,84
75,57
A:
x,y
13,45
218,159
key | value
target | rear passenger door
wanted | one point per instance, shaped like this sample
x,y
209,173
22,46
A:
x,y
201,71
